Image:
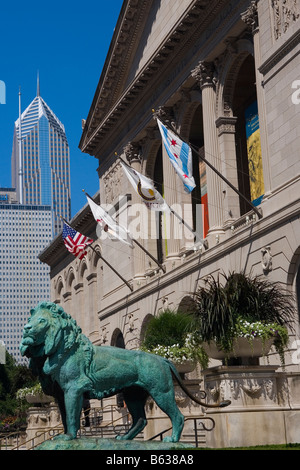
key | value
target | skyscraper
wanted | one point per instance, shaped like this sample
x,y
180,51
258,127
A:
x,y
25,230
45,162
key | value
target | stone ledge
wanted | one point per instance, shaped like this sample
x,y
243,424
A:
x,y
94,443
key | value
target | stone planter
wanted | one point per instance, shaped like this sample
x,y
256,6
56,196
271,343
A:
x,y
39,398
242,348
185,367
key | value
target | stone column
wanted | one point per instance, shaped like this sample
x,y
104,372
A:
x,y
205,75
250,17
227,144
133,155
171,225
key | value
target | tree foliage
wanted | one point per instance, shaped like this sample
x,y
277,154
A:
x,y
12,377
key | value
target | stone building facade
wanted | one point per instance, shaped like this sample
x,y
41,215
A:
x,y
208,69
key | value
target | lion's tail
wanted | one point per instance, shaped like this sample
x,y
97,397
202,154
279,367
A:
x,y
184,388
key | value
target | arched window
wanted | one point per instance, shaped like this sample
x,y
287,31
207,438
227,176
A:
x,y
144,326
298,291
117,339
187,305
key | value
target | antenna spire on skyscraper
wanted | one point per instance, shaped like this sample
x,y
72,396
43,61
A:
x,y
20,152
38,84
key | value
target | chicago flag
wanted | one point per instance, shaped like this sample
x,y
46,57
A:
x,y
180,155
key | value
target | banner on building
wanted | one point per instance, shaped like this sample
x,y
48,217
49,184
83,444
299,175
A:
x,y
254,154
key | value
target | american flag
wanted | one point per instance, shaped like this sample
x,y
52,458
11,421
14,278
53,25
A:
x,y
75,242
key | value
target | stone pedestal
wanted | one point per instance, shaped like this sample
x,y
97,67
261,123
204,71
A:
x,y
159,421
40,423
261,410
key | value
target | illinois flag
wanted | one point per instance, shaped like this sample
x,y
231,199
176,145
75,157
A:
x,y
180,155
145,189
107,223
75,242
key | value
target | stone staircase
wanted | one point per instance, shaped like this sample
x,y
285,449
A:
x,y
107,426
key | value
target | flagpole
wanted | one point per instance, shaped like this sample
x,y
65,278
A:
x,y
216,171
105,261
111,267
176,215
204,243
138,244
150,256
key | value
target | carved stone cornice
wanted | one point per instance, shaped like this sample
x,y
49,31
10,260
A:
x,y
205,74
250,16
99,127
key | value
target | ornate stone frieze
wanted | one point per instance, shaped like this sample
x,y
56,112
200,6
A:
x,y
112,182
285,13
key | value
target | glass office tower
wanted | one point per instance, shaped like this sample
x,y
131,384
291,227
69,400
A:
x,y
45,165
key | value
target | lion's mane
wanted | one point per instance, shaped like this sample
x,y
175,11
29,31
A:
x,y
70,335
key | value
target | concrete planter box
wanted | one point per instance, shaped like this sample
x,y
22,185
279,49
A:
x,y
39,398
242,348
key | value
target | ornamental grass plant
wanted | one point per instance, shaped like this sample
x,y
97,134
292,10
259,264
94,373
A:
x,y
170,335
242,306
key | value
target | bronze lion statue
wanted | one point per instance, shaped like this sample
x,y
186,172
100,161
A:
x,y
70,367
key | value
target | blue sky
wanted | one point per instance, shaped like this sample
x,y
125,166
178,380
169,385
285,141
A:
x,y
67,42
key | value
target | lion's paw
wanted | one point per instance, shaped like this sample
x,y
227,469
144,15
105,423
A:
x,y
119,437
168,439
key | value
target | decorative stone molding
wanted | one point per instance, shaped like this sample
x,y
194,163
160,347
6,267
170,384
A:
x,y
112,183
103,335
130,322
215,393
250,16
266,259
166,114
78,286
133,152
284,14
205,74
280,53
226,125
252,390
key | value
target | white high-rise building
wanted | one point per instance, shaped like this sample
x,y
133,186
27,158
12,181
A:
x,y
25,230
